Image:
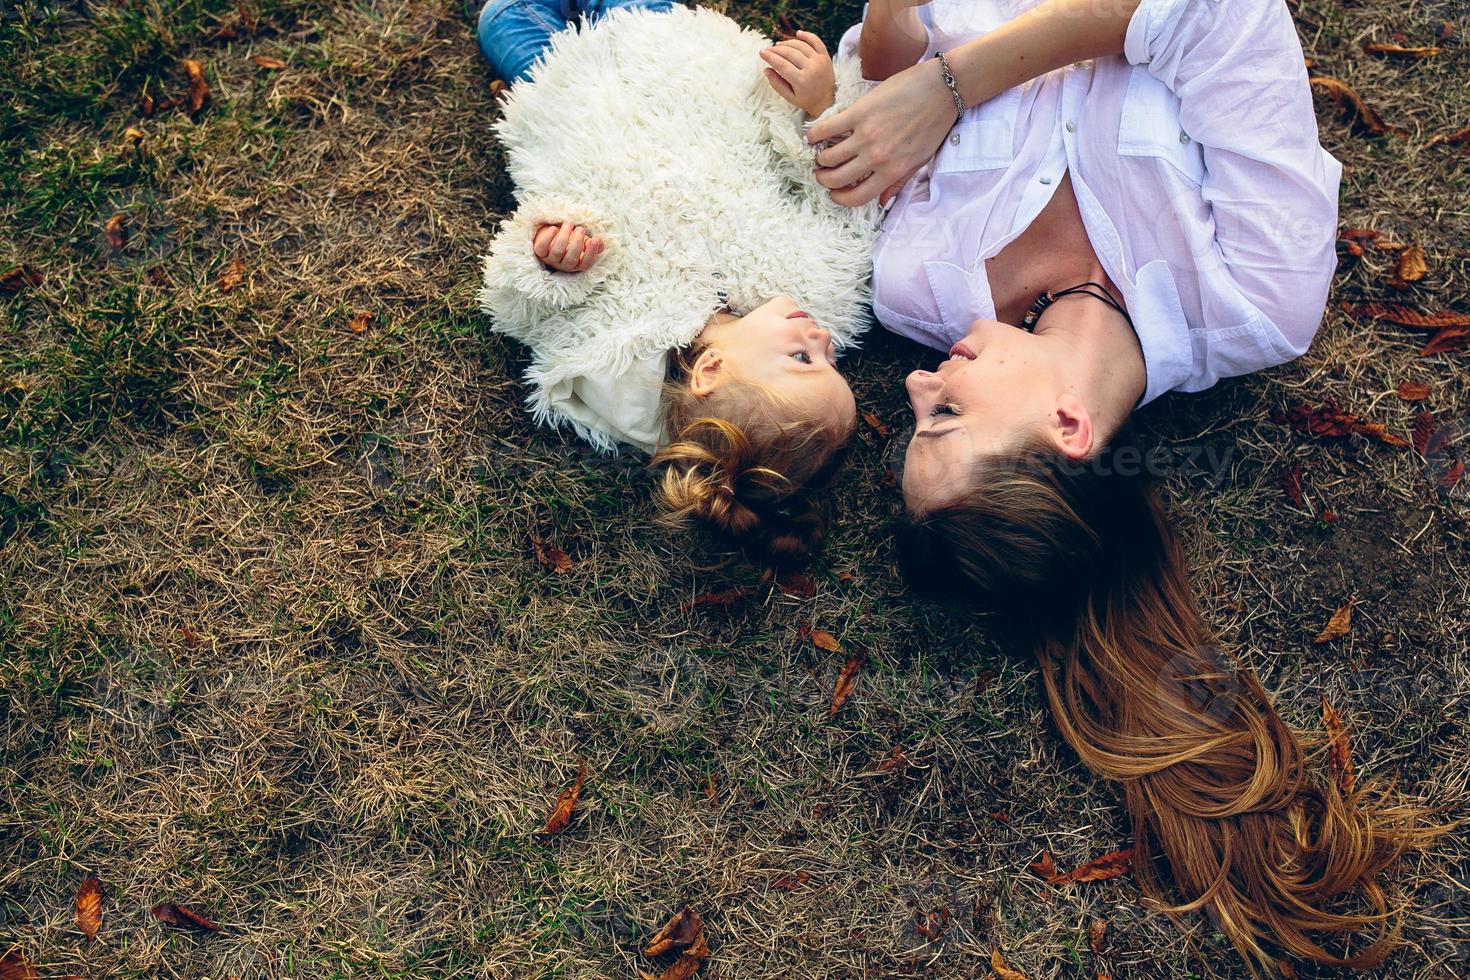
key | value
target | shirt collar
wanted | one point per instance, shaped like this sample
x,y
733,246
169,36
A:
x,y
1163,333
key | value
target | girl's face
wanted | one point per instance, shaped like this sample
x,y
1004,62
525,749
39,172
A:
x,y
778,346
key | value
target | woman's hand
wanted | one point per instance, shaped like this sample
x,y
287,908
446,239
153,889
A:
x,y
892,131
566,247
800,70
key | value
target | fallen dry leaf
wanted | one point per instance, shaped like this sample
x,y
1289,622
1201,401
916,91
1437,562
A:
x,y
15,966
847,679
157,275
1291,485
116,231
711,793
1004,972
796,585
1097,934
566,802
1406,317
132,136
498,89
191,638
1110,865
681,931
790,883
88,906
1412,265
172,914
1447,341
1288,972
1399,50
1045,866
360,321
1362,115
267,62
896,758
1423,432
1458,138
1337,627
1339,752
876,424
823,640
198,87
233,275
725,599
552,558
1452,476
1413,391
1330,422
689,961
18,278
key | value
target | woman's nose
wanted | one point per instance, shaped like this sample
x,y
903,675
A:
x,y
922,382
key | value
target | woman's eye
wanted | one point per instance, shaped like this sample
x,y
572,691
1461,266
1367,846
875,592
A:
x,y
942,409
803,357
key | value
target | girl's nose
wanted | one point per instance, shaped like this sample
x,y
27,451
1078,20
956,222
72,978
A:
x,y
820,335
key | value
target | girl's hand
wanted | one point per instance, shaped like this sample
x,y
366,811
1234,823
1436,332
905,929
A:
x,y
892,131
800,70
566,247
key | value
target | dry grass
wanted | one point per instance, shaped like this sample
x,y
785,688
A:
x,y
275,644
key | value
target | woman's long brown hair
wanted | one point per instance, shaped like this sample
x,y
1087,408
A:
x,y
1082,560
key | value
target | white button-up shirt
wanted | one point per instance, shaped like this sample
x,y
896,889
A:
x,y
1197,171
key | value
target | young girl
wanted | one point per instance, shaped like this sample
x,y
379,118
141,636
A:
x,y
668,214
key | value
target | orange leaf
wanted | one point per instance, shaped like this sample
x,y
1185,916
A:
x,y
552,558
233,275
790,883
172,914
1446,341
1423,432
1412,266
1288,972
796,584
1337,627
846,682
198,87
360,321
1004,972
1330,422
18,278
267,62
684,928
1340,753
89,907
116,230
896,758
1362,115
1111,865
1406,317
566,802
1413,391
725,599
689,962
1291,485
1459,138
14,966
1398,50
1045,866
1097,934
876,424
711,793
1358,234
824,641
132,136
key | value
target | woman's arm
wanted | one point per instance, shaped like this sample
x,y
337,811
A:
x,y
897,127
893,38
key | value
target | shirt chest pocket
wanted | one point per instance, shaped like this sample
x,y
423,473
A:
x,y
1150,127
983,139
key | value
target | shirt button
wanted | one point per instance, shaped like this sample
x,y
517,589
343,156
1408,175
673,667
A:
x,y
1183,136
1071,127
1046,180
954,139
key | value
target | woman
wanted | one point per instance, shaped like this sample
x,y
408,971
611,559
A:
x,y
1152,220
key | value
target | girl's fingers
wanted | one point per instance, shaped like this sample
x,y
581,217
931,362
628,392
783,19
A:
x,y
590,254
780,84
799,46
813,40
575,245
783,67
558,249
541,243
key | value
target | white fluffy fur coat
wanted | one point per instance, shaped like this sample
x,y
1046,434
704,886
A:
x,y
659,132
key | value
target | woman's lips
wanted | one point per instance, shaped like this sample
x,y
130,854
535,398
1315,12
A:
x,y
960,350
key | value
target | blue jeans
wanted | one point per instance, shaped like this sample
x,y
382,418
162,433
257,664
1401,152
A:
x,y
513,33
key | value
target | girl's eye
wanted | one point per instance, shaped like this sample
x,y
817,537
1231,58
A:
x,y
803,357
942,410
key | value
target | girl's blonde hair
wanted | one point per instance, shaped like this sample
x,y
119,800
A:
x,y
1080,560
738,461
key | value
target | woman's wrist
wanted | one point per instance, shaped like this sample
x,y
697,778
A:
x,y
892,39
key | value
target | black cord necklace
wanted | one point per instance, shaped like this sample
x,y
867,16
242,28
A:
x,y
1028,322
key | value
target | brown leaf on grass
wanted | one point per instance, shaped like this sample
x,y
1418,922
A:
x,y
711,793
132,136
18,278
689,961
1045,866
790,883
1287,971
15,966
1399,50
552,558
198,87
1002,971
1097,934
498,89
360,321
1330,422
157,275
821,639
683,929
796,585
1413,391
88,905
1358,234
566,802
1111,865
876,424
1291,485
1447,341
1423,432
1339,751
726,599
896,758
172,914
233,276
1412,266
116,231
1338,626
1458,138
1363,116
267,62
1452,476
191,638
847,679
1406,317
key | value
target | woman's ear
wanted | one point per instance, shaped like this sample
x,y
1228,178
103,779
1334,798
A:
x,y
1072,430
708,371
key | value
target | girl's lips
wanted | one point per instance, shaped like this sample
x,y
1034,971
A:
x,y
794,314
960,350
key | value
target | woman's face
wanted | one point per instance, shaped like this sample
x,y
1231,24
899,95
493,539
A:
x,y
995,388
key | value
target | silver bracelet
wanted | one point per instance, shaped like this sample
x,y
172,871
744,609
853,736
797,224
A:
x,y
959,104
